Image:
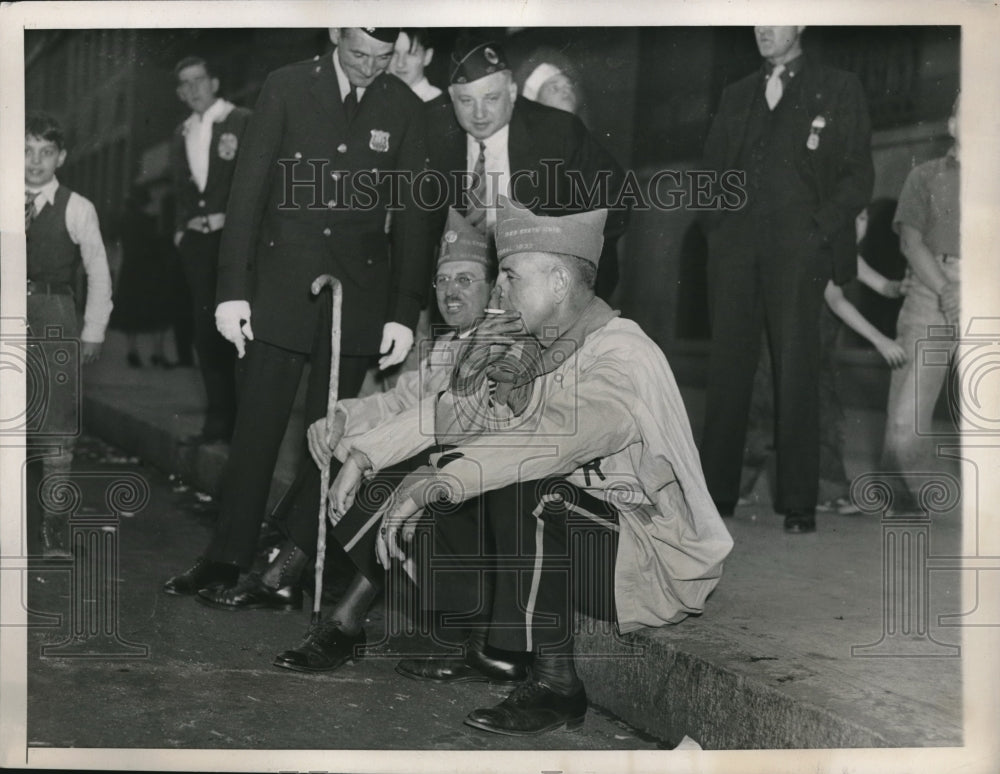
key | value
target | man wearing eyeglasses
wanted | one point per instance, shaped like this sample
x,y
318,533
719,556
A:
x,y
465,276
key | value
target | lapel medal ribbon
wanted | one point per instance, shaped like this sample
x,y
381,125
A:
x,y
818,123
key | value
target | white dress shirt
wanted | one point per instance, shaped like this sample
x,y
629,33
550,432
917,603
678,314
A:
x,y
497,168
198,138
85,231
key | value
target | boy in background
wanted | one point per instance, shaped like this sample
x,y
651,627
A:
x,y
62,231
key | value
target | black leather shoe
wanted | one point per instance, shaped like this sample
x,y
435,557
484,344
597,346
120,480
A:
x,y
798,522
251,593
205,573
324,649
532,708
476,667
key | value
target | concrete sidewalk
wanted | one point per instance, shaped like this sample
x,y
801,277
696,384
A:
x,y
809,641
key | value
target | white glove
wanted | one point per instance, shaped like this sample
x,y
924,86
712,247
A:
x,y
232,319
396,342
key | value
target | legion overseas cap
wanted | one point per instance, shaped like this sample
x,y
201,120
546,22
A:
x,y
462,241
475,59
521,231
385,34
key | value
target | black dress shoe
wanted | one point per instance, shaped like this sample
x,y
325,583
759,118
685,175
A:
x,y
324,649
205,573
532,708
475,667
251,593
798,522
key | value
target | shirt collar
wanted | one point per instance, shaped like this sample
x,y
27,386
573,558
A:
x,y
495,143
217,112
47,193
792,67
343,82
425,90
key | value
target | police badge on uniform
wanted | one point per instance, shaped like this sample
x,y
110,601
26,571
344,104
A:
x,y
379,141
228,143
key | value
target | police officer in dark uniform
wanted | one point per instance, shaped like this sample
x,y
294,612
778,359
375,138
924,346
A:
x,y
308,200
202,160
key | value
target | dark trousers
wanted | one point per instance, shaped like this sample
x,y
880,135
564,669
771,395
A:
x,y
523,561
268,380
216,356
766,271
182,316
833,482
297,515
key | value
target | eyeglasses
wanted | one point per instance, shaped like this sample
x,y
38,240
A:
x,y
463,281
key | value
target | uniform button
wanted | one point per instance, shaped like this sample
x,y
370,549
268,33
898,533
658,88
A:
x,y
201,203
271,243
342,148
335,175
297,155
327,232
317,69
332,203
369,261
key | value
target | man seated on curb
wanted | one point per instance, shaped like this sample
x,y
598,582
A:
x,y
466,272
568,415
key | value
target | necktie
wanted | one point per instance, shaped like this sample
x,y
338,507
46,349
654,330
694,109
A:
x,y
30,210
351,103
477,190
774,88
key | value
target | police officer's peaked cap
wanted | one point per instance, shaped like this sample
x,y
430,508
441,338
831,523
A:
x,y
385,34
474,58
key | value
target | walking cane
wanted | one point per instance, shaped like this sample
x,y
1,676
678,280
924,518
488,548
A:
x,y
331,404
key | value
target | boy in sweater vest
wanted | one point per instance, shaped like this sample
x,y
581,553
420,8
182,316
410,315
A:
x,y
62,232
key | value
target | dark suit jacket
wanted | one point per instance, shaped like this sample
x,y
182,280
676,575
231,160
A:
x,y
222,154
281,233
840,168
539,133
